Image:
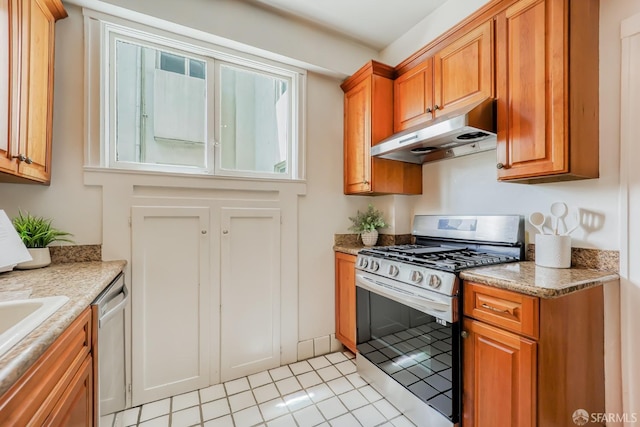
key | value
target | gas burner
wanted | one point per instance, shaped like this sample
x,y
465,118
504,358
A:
x,y
443,257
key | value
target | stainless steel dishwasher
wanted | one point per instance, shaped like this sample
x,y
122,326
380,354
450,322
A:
x,y
111,305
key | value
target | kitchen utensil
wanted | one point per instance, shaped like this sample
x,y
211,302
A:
x,y
558,212
577,218
537,219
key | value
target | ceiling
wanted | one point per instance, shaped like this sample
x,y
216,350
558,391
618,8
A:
x,y
375,23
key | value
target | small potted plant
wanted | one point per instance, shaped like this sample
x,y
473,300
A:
x,y
367,224
36,234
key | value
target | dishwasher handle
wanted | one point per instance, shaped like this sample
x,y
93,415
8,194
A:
x,y
111,313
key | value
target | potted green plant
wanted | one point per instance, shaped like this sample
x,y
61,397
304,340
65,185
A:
x,y
367,224
36,234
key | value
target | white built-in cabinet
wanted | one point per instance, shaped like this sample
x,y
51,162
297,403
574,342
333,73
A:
x,y
171,307
250,291
205,296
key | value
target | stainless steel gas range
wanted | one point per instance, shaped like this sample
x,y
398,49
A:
x,y
408,301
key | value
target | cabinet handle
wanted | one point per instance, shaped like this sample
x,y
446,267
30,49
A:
x,y
464,334
28,160
436,107
365,182
500,166
429,109
225,231
488,307
20,157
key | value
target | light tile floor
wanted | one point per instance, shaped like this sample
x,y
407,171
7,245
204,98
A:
x,y
323,391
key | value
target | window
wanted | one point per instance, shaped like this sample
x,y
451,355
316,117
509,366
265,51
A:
x,y
179,105
255,126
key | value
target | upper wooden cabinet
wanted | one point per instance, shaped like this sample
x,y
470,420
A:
x,y
458,75
368,119
26,116
413,97
547,87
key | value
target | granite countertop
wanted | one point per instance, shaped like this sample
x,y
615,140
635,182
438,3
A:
x,y
529,279
80,281
348,249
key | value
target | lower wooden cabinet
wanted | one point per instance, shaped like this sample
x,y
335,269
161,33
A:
x,y
58,389
499,375
75,407
531,361
346,300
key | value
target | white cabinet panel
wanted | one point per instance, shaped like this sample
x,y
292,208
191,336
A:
x,y
171,308
250,291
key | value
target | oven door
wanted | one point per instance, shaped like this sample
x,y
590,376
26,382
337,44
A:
x,y
405,349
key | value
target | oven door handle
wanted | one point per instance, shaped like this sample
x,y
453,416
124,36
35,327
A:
x,y
420,303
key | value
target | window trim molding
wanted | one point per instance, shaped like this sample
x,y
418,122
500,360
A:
x,y
100,27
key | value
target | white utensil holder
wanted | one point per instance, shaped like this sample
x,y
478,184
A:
x,y
553,251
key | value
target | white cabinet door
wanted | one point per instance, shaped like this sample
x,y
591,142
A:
x,y
171,308
250,291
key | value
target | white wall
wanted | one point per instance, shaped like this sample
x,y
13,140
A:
x,y
244,26
468,184
78,208
434,24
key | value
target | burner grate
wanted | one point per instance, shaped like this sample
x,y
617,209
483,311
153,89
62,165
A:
x,y
439,257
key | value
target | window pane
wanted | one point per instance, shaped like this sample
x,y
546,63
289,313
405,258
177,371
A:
x,y
255,121
171,62
160,115
196,68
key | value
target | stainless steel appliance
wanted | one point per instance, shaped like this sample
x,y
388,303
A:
x,y
111,305
408,301
463,131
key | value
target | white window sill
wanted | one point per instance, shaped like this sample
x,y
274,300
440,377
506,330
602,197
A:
x,y
104,176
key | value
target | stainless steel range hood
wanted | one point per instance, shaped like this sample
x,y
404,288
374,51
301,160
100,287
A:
x,y
464,131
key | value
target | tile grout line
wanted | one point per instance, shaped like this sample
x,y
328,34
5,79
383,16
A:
x,y
290,412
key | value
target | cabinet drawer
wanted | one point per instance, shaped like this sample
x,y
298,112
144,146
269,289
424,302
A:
x,y
31,399
509,310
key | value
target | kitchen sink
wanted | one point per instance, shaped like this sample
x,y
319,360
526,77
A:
x,y
19,317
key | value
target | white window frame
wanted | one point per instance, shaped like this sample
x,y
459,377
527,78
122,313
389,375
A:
x,y
101,33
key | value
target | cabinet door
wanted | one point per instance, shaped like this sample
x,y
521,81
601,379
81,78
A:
x,y
7,61
499,377
531,61
250,291
75,407
36,90
463,70
357,138
346,300
47,383
413,96
170,298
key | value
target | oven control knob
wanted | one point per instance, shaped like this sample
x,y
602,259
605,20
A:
x,y
393,270
416,276
373,266
363,262
434,281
